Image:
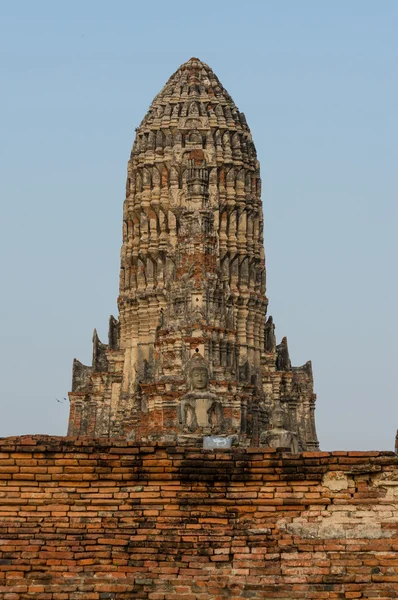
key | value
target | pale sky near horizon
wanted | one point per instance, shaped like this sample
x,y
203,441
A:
x,y
318,84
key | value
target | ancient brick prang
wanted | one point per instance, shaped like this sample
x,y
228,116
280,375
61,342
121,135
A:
x,y
192,353
107,520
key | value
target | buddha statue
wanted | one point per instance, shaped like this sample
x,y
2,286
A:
x,y
200,410
279,436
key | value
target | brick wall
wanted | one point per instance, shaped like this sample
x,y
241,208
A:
x,y
98,521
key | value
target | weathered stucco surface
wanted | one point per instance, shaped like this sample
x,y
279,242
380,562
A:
x,y
101,520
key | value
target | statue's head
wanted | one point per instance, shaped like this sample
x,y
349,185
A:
x,y
278,418
199,377
197,372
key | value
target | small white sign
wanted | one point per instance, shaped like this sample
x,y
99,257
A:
x,y
213,442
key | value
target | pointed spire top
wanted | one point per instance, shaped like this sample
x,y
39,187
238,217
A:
x,y
194,92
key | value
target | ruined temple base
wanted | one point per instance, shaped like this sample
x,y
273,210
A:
x,y
109,520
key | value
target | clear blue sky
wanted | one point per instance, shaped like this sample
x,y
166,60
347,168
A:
x,y
318,84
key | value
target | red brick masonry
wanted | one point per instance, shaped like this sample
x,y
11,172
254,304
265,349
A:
x,y
100,520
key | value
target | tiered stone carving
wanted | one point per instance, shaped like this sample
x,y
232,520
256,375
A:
x,y
192,287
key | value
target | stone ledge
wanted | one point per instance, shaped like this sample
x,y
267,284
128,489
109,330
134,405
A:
x,y
119,446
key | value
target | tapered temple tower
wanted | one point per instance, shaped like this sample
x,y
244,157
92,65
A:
x,y
193,353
